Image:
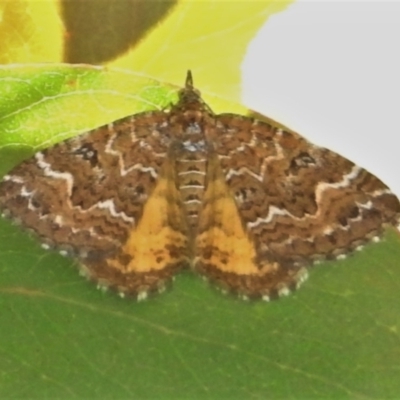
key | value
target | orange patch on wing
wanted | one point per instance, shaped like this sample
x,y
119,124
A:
x,y
154,244
223,242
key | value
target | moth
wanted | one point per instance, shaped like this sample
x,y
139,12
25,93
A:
x,y
243,202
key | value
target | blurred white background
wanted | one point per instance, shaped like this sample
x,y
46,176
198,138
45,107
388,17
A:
x,y
330,70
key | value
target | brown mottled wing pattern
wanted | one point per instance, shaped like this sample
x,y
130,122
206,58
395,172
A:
x,y
281,203
104,197
250,205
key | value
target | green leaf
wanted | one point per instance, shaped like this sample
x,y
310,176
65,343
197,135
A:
x,y
61,338
31,31
157,38
43,104
209,37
